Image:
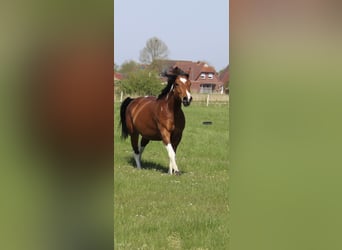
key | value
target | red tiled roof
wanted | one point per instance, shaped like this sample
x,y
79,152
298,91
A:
x,y
224,75
195,70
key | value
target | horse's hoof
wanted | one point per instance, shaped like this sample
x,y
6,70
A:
x,y
177,172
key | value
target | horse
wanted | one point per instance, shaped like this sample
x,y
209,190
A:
x,y
158,118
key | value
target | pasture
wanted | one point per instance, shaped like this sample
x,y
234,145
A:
x,y
153,210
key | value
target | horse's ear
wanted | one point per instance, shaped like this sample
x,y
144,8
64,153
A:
x,y
179,71
175,70
165,73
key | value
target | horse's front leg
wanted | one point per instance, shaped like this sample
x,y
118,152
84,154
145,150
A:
x,y
166,137
172,158
165,131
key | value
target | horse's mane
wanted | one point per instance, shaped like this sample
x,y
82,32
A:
x,y
171,78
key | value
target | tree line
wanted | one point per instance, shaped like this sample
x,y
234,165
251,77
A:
x,y
144,78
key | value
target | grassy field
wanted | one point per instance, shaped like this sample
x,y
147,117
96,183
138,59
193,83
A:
x,y
153,210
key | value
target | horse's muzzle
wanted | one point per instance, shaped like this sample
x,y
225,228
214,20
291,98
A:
x,y
187,101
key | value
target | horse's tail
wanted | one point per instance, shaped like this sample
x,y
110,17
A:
x,y
123,107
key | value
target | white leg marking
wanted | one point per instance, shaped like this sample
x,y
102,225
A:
x,y
137,160
172,157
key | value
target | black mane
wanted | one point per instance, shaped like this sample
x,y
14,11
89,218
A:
x,y
166,90
171,78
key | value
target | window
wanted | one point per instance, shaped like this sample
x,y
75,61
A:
x,y
202,75
210,76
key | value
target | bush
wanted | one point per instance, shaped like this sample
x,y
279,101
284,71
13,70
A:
x,y
141,82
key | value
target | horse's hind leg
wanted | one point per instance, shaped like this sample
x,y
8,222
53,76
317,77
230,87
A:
x,y
143,144
134,143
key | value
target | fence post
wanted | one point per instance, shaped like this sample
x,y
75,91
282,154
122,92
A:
x,y
208,100
121,96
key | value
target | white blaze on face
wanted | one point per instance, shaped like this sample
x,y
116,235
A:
x,y
188,94
183,80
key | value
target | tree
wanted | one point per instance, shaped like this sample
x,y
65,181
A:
x,y
154,49
128,67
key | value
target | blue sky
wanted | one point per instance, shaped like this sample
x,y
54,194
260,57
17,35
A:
x,y
193,30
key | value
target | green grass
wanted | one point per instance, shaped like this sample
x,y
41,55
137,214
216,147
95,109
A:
x,y
153,210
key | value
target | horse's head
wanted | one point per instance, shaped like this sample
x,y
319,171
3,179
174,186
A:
x,y
182,89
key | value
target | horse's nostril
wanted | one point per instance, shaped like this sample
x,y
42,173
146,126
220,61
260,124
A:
x,y
186,101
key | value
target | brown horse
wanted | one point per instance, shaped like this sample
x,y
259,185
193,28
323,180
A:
x,y
158,118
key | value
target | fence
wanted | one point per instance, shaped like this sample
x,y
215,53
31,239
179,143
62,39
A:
x,y
210,98
206,99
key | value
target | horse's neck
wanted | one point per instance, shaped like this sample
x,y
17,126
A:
x,y
173,102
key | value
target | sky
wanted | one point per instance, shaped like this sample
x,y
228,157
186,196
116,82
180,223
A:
x,y
193,30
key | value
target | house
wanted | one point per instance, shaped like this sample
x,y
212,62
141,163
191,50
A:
x,y
117,76
203,77
224,76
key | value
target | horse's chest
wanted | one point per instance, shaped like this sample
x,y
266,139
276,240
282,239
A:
x,y
171,120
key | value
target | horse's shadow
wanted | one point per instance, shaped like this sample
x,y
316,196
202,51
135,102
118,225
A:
x,y
149,165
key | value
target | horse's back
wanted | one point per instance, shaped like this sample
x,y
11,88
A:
x,y
142,106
